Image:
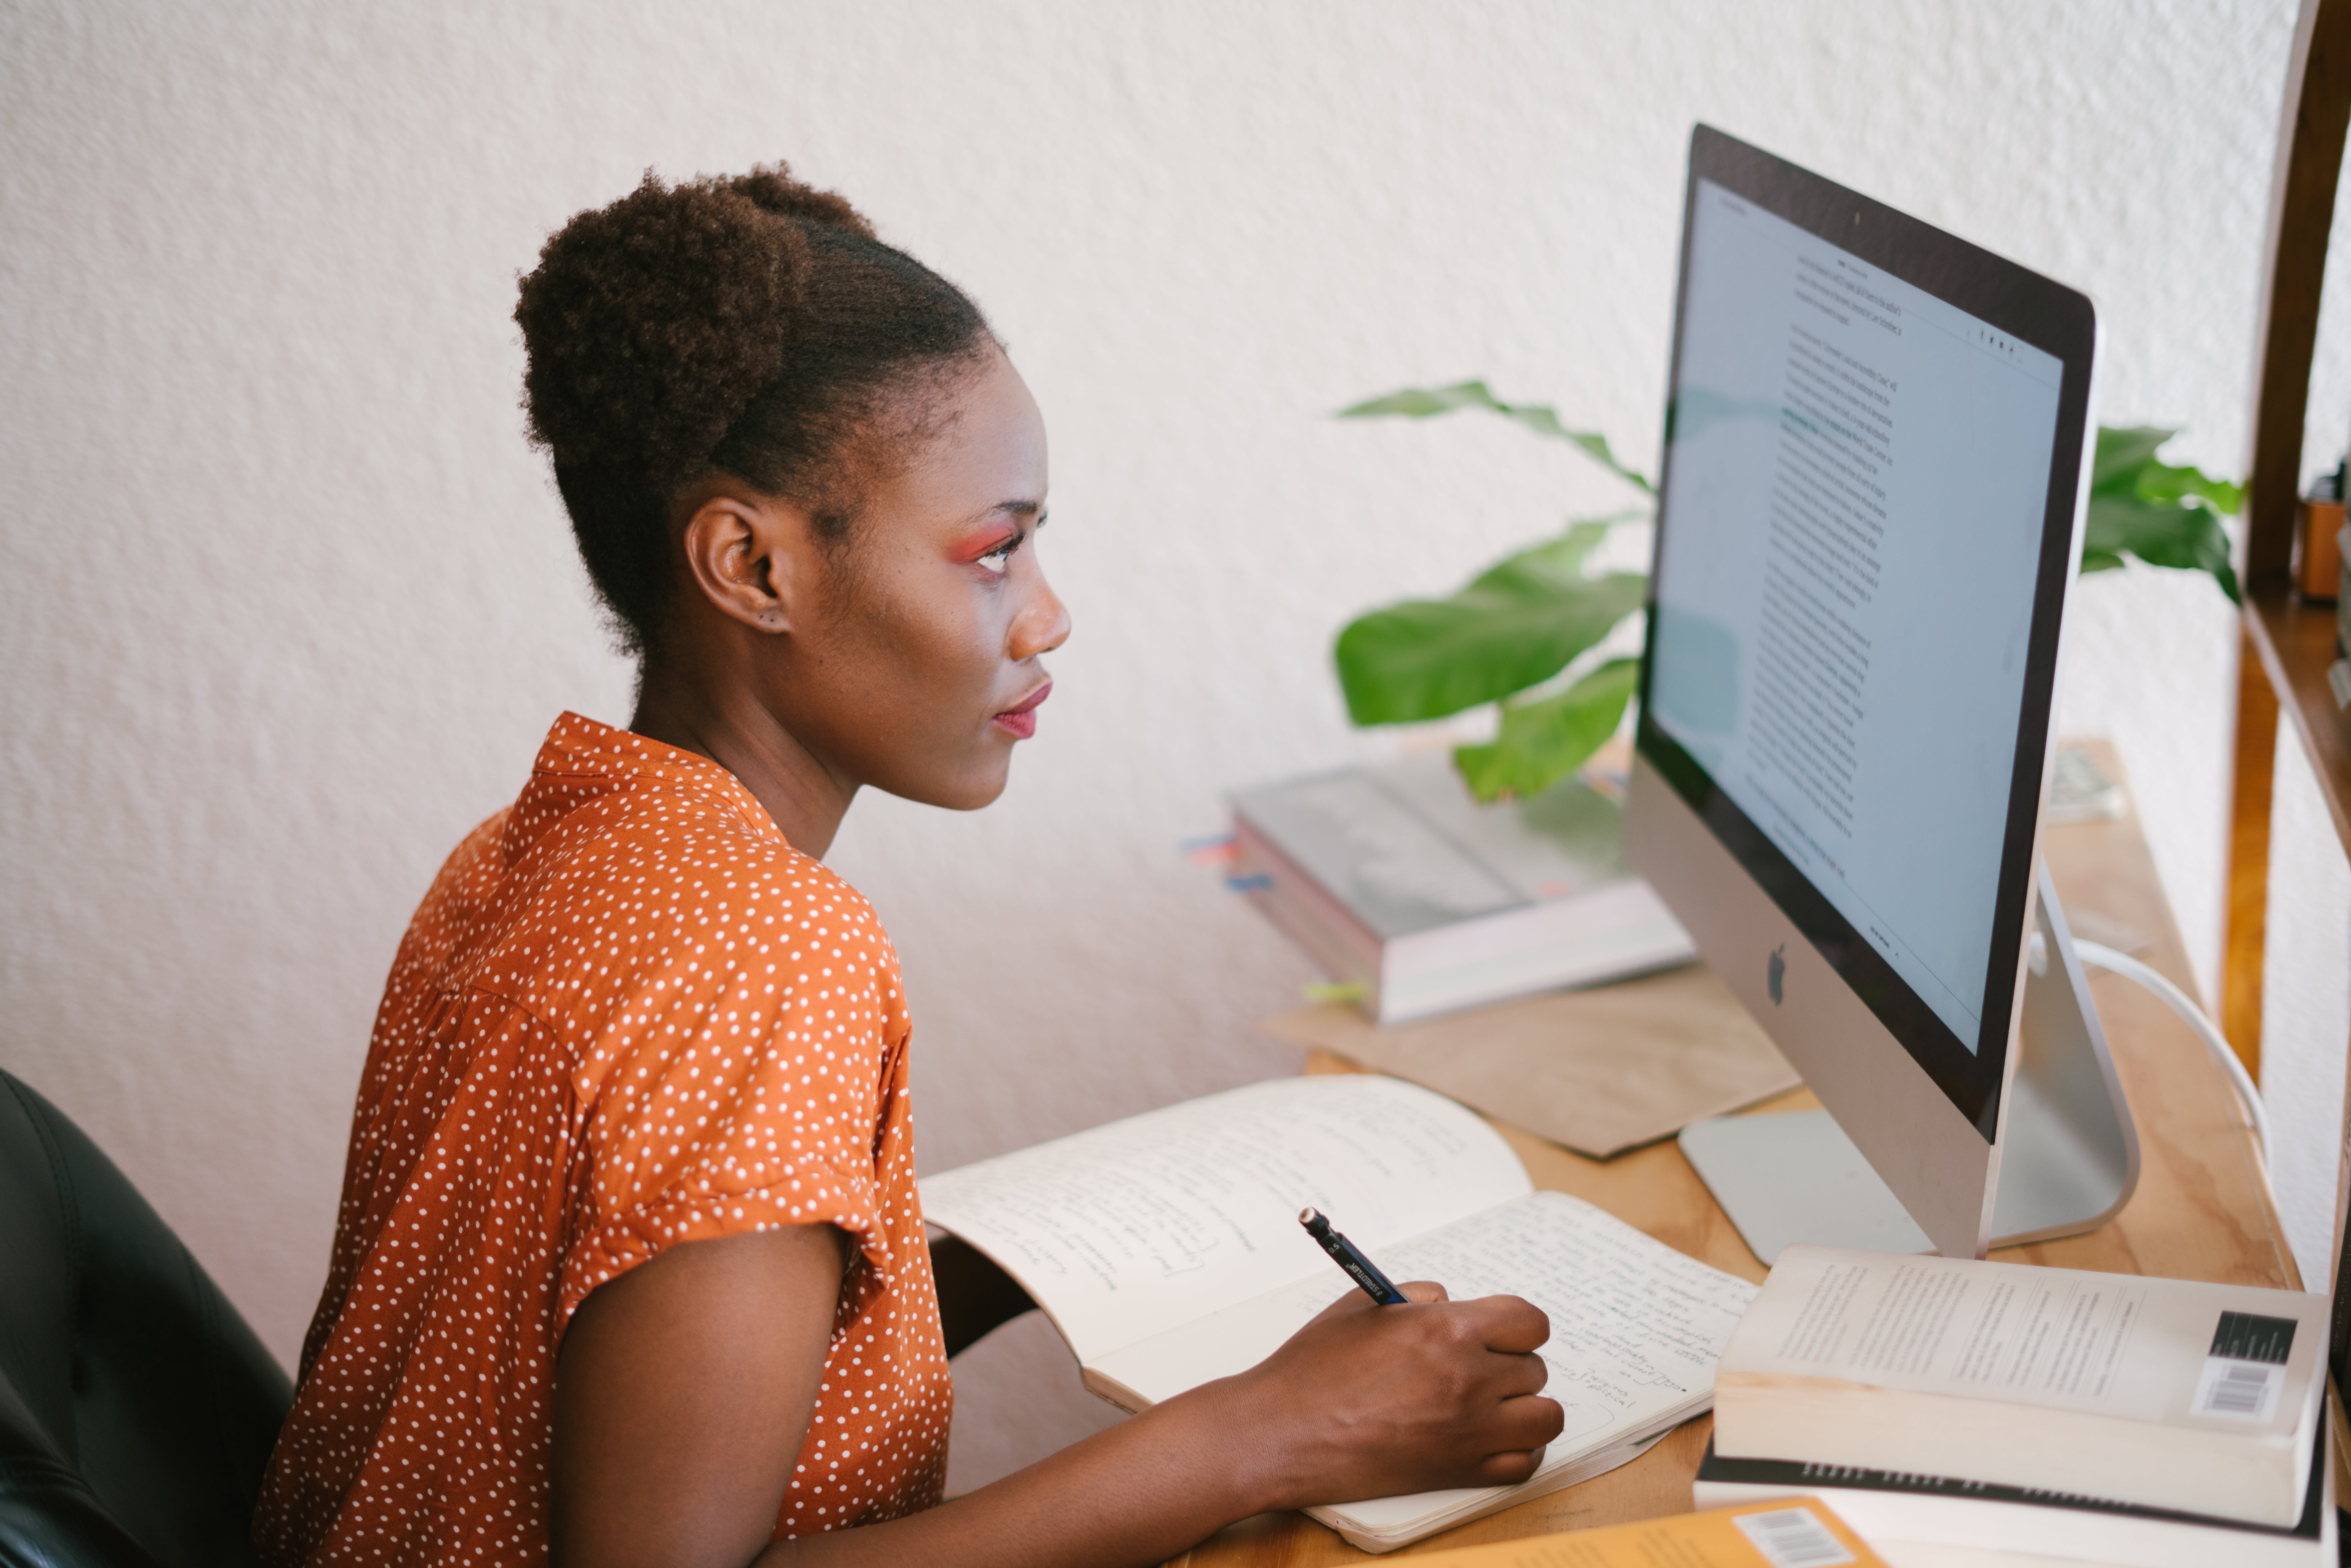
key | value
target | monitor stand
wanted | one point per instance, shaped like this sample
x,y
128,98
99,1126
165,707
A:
x,y
2068,1162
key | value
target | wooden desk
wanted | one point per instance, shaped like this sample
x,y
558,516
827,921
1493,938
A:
x,y
2203,1209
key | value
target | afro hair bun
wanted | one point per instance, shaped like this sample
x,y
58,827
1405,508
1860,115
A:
x,y
747,325
651,323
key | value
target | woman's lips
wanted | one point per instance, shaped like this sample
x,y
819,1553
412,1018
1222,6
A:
x,y
1020,720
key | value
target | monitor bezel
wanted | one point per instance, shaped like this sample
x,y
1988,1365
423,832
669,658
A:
x,y
2034,309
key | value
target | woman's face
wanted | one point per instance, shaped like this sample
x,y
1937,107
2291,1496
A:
x,y
922,665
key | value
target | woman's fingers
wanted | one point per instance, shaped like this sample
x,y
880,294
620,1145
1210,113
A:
x,y
1519,1376
1372,1401
1354,1300
1529,1421
1507,1470
1510,1325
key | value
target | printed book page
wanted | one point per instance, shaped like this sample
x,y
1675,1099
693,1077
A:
x,y
1123,1232
1636,1327
2234,1358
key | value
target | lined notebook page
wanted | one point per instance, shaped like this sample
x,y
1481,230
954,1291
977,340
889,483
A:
x,y
1636,1327
1125,1231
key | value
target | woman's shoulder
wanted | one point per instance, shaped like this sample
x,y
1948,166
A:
x,y
616,827
712,872
457,908
670,904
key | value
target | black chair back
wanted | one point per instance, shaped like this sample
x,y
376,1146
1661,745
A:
x,y
137,1410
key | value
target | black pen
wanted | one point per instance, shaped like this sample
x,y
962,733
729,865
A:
x,y
1349,1257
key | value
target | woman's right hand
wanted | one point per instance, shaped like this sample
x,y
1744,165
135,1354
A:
x,y
1363,1401
1372,1401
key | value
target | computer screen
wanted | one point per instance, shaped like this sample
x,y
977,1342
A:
x,y
1864,539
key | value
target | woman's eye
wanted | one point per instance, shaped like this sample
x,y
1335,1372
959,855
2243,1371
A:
x,y
998,560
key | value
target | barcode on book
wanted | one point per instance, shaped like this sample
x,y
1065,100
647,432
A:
x,y
2246,1390
1793,1537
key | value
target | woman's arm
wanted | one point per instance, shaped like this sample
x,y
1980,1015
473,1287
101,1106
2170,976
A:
x,y
684,1389
682,1395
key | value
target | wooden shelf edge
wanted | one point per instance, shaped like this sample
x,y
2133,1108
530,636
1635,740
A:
x,y
2296,643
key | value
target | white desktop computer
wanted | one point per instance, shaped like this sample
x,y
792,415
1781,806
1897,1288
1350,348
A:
x,y
1877,443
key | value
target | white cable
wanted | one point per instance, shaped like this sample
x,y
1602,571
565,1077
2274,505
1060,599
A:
x,y
2130,968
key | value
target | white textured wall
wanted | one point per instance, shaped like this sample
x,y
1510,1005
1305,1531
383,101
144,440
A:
x,y
288,602
2306,1009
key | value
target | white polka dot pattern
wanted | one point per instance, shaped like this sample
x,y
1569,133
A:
x,y
627,1015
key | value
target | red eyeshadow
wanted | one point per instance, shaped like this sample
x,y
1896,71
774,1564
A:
x,y
984,542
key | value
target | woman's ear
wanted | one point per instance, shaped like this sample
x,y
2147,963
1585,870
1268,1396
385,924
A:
x,y
752,558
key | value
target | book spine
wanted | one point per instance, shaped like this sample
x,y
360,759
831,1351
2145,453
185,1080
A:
x,y
1620,923
1316,921
1887,1506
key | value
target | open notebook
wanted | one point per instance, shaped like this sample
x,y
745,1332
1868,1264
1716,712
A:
x,y
1166,1249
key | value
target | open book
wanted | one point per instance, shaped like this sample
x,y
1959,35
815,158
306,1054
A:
x,y
1166,1250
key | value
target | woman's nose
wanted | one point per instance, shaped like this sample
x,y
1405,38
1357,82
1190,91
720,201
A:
x,y
1042,625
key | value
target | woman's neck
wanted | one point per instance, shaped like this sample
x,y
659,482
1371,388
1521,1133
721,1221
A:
x,y
805,797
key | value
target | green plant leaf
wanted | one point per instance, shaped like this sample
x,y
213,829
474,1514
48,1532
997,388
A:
x,y
1542,742
2121,452
2159,533
1518,623
2162,482
1424,403
2164,514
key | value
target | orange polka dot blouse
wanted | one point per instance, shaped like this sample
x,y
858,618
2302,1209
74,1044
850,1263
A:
x,y
628,1015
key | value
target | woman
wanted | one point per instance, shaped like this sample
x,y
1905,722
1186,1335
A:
x,y
630,1266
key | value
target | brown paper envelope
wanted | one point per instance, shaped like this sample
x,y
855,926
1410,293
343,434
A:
x,y
1600,1071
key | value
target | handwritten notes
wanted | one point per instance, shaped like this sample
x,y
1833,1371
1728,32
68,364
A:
x,y
1166,1249
1636,1327
1126,1231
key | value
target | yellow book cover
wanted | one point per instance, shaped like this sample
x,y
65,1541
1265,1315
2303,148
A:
x,y
1786,1532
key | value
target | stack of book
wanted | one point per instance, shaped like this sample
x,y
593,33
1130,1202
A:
x,y
1996,1407
1403,885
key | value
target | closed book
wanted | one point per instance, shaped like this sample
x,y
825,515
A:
x,y
1888,1507
2170,1394
1397,878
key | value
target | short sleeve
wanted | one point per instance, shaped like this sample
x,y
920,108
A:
x,y
742,1090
